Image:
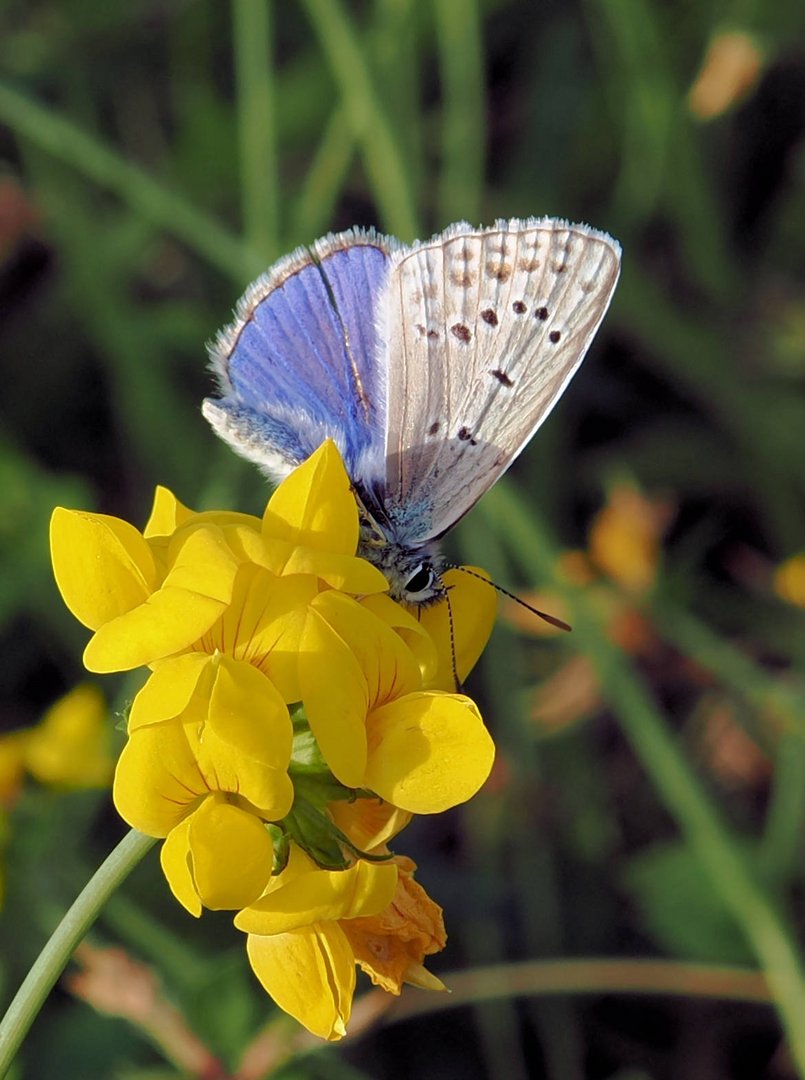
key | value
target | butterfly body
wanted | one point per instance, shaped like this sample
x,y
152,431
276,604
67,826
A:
x,y
430,365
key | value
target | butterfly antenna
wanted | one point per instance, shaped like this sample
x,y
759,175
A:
x,y
552,620
456,680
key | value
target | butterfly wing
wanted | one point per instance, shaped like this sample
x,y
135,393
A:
x,y
298,364
483,331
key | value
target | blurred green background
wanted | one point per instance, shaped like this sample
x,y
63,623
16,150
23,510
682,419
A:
x,y
649,798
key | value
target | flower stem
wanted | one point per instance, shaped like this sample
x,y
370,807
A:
x,y
257,112
52,960
104,165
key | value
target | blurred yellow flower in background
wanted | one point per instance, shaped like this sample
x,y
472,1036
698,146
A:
x,y
789,580
730,70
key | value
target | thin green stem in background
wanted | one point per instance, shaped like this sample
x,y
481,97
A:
x,y
590,975
88,155
461,67
385,163
719,852
313,207
781,850
256,111
534,978
52,960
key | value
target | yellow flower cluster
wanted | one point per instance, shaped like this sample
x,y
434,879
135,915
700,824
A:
x,y
293,721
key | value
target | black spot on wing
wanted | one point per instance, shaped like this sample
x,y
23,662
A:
x,y
502,377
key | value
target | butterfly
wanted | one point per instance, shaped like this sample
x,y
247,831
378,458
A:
x,y
430,365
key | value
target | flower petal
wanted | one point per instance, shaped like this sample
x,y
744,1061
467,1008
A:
x,y
318,896
391,945
336,698
310,973
167,514
345,572
388,665
247,712
71,745
169,621
428,751
263,625
157,780
231,854
367,823
203,563
473,605
102,565
400,618
168,691
314,507
174,859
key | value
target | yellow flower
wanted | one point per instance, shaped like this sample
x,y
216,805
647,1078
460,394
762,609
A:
x,y
70,747
730,70
420,750
207,730
296,943
624,538
140,611
472,609
220,857
293,720
390,946
148,597
368,823
789,580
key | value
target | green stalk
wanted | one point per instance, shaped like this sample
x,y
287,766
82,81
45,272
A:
x,y
385,163
52,960
782,839
312,209
165,209
719,853
463,110
256,109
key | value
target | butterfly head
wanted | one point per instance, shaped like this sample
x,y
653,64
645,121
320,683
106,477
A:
x,y
414,574
412,569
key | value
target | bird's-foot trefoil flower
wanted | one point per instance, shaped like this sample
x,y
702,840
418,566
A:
x,y
293,720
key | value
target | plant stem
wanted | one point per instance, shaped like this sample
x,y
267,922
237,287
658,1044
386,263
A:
x,y
52,960
256,125
461,69
385,164
88,155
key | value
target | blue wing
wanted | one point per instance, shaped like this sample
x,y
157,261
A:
x,y
300,361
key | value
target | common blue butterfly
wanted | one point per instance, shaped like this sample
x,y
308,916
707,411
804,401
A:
x,y
431,365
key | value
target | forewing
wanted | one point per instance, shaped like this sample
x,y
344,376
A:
x,y
299,363
484,329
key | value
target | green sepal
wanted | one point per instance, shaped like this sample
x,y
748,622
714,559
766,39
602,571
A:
x,y
312,830
282,847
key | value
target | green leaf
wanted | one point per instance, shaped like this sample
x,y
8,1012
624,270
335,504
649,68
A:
x,y
680,909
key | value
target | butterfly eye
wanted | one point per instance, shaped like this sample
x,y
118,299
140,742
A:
x,y
420,585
